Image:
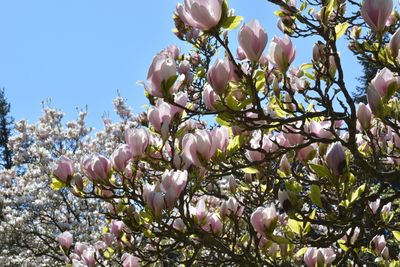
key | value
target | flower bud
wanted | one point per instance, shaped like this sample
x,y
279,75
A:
x,y
376,13
374,101
210,97
161,70
138,140
384,82
319,257
218,75
129,260
97,168
65,240
374,206
394,44
252,40
220,137
264,219
172,184
364,116
199,14
173,50
336,159
120,157
282,53
198,147
184,66
63,169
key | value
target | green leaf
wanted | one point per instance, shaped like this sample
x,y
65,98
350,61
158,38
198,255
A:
x,y
303,6
232,22
306,66
315,195
392,88
356,194
301,252
234,145
56,184
250,170
341,29
295,226
320,170
221,121
396,235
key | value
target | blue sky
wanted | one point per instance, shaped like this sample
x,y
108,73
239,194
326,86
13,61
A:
x,y
80,53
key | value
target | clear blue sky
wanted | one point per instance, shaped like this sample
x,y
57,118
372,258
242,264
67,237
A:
x,y
81,52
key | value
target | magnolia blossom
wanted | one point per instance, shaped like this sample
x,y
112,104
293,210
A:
x,y
281,52
129,260
376,13
138,140
198,148
200,14
319,257
336,159
264,219
394,44
383,80
210,97
63,169
65,240
97,168
161,70
120,157
252,40
172,184
364,116
219,74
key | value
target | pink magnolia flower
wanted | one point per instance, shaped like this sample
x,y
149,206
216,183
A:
x,y
374,101
394,44
282,52
120,157
200,14
138,139
210,97
264,219
173,50
65,240
161,116
97,168
220,137
321,129
219,75
382,80
212,224
376,13
116,227
252,40
172,184
162,69
129,260
63,169
154,199
364,116
378,244
336,159
374,206
321,256
198,147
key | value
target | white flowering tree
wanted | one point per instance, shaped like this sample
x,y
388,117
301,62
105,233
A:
x,y
33,214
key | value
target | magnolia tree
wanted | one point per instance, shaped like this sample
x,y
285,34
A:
x,y
33,214
244,159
